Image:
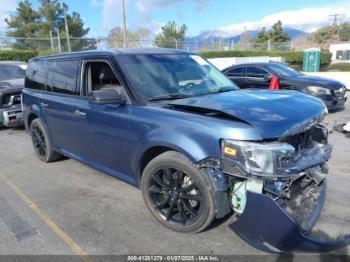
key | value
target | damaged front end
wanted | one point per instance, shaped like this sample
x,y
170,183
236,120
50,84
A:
x,y
278,189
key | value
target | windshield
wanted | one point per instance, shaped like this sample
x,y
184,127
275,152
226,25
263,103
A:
x,y
162,77
283,71
8,72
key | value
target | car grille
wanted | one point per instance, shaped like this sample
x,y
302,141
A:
x,y
308,138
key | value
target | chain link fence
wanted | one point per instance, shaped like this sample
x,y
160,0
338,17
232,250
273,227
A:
x,y
59,45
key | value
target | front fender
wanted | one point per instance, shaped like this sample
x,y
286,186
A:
x,y
187,146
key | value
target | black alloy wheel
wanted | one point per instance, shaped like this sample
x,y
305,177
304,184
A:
x,y
177,194
175,197
39,142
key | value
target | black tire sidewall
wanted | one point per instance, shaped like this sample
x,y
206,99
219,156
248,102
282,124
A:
x,y
178,161
50,153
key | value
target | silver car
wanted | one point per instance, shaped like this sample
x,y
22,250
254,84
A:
x,y
11,85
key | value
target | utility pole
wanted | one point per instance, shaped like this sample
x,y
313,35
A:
x,y
334,21
124,25
65,8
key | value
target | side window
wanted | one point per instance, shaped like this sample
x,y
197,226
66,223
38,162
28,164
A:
x,y
253,71
35,75
237,71
62,76
100,76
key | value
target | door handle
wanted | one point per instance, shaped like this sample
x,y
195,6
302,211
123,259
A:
x,y
79,113
43,105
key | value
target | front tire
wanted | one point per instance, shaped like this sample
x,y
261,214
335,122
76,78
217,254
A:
x,y
41,143
176,193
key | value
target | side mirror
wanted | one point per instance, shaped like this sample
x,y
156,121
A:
x,y
102,97
268,77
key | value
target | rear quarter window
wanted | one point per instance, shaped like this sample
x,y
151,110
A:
x,y
35,75
62,76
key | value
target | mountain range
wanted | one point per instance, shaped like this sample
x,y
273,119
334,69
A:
x,y
216,35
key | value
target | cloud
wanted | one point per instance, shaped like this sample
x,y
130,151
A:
x,y
144,11
145,7
6,8
96,3
110,13
306,19
200,4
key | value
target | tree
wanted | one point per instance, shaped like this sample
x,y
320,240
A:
x,y
51,17
331,34
31,22
344,32
78,31
26,23
172,36
262,37
322,35
277,34
115,38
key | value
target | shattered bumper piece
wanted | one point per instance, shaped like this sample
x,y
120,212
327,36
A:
x,y
266,226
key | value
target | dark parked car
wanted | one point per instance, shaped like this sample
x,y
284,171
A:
x,y
170,123
258,75
11,85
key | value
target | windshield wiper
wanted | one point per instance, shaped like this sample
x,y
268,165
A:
x,y
168,97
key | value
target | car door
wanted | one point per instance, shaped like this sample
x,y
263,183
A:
x,y
102,135
237,76
56,102
257,77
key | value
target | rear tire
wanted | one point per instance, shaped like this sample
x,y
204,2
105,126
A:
x,y
41,143
176,193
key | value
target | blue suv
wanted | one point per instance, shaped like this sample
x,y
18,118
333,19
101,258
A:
x,y
170,123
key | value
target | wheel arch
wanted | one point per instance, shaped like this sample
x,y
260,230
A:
x,y
156,150
30,118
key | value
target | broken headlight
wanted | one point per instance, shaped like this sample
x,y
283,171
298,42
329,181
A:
x,y
319,90
260,159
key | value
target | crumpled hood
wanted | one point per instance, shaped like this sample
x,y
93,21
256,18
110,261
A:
x,y
317,81
273,113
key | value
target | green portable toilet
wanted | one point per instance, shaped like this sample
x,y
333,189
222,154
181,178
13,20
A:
x,y
312,60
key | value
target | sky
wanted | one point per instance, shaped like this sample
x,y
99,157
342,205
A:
x,y
230,17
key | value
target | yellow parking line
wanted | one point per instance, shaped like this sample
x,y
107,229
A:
x,y
66,238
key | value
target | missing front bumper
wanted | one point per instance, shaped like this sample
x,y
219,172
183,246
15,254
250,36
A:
x,y
266,226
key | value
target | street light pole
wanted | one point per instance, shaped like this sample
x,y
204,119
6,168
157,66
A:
x,y
51,40
59,40
65,8
124,25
